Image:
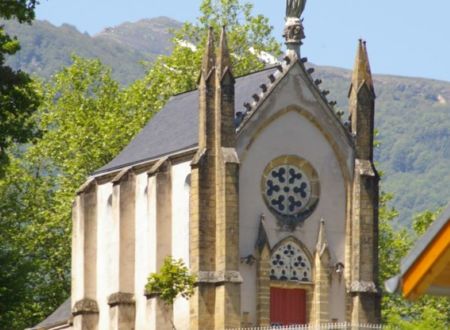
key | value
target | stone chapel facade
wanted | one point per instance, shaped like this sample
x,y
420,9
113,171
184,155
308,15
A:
x,y
257,185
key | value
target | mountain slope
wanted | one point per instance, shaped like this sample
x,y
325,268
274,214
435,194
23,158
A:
x,y
413,123
412,116
47,48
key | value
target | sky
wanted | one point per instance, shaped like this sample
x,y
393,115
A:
x,y
404,37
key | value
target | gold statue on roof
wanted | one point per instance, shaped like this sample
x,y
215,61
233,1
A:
x,y
293,28
294,8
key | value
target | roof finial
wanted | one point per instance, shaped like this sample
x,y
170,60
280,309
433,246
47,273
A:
x,y
361,71
293,29
209,56
223,56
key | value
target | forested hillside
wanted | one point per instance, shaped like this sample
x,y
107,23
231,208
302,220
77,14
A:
x,y
46,48
413,123
413,114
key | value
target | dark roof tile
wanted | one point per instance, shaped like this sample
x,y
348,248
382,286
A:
x,y
61,315
175,127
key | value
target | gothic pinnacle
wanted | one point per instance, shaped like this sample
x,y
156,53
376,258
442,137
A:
x,y
361,71
223,56
209,57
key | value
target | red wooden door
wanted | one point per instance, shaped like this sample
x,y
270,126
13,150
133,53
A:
x,y
287,306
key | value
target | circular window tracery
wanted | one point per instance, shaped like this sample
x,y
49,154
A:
x,y
290,263
290,187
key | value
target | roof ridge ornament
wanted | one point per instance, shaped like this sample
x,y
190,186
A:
x,y
293,28
361,70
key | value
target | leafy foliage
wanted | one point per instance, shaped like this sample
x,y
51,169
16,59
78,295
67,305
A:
x,y
171,281
85,119
178,72
83,125
23,10
412,118
426,313
412,115
18,98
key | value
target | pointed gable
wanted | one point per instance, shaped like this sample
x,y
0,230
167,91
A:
x,y
293,69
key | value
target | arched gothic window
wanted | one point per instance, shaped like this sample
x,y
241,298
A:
x,y
290,263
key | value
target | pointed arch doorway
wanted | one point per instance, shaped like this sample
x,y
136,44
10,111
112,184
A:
x,y
290,276
287,306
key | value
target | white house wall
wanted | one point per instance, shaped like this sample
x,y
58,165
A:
x,y
151,191
180,233
108,234
77,253
107,251
143,258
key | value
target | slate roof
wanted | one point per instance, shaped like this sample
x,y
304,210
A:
x,y
60,316
175,127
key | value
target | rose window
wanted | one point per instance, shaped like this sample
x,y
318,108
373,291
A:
x,y
289,263
287,189
290,188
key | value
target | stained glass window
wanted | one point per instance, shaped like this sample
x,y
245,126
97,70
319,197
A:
x,y
290,187
289,263
287,189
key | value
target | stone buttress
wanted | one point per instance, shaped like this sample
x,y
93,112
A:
x,y
122,301
84,258
214,222
159,177
365,306
322,278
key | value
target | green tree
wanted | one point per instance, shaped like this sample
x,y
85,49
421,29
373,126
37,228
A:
x,y
171,281
83,126
22,10
18,97
179,72
85,119
398,313
423,220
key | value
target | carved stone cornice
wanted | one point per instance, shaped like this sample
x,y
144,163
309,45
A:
x,y
85,306
365,168
198,158
121,175
293,31
159,166
219,277
88,185
363,287
121,298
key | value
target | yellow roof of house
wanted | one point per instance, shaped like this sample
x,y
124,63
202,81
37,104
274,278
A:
x,y
426,269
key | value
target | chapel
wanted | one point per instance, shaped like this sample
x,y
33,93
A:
x,y
265,193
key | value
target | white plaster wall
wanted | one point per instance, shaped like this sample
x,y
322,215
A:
x,y
152,239
284,137
290,134
107,250
336,309
77,256
248,289
180,233
142,259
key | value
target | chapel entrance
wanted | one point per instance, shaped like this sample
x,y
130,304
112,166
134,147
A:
x,y
287,306
290,277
